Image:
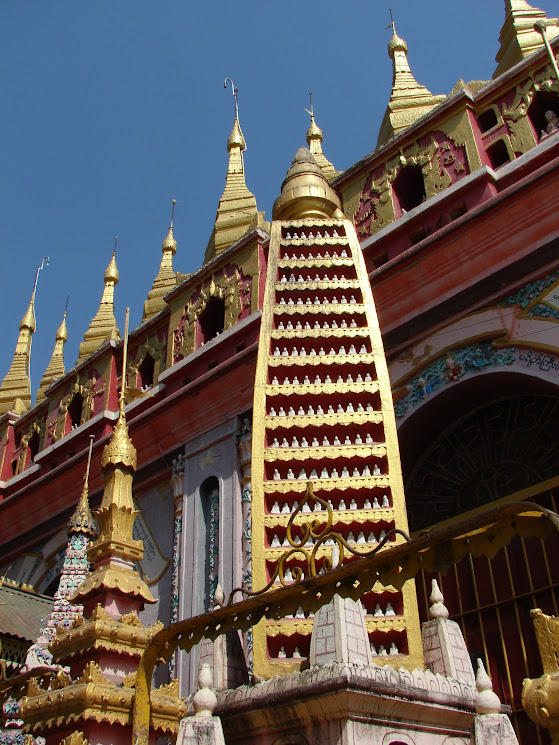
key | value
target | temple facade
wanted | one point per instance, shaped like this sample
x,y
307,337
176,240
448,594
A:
x,y
391,336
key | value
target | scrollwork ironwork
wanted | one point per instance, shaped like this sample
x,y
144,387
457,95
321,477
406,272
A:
x,y
318,533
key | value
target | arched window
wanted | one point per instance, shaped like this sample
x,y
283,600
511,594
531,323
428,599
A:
x,y
542,102
409,188
212,319
498,153
209,497
146,372
75,410
33,446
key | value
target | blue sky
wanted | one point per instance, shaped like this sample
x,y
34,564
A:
x,y
111,109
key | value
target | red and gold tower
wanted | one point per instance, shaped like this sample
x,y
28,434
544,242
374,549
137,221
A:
x,y
323,413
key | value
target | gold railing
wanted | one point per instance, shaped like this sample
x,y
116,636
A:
x,y
431,551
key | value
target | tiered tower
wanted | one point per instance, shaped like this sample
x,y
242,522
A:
x,y
323,413
81,531
15,391
102,647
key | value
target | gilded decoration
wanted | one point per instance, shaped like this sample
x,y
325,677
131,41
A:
x,y
320,339
156,348
480,535
442,160
88,389
35,428
231,286
540,697
515,114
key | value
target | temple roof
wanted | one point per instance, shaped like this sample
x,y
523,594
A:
x,y
23,612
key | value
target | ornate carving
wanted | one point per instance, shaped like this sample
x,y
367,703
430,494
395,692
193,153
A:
x,y
451,368
442,160
153,346
92,674
317,531
88,391
540,697
230,286
76,738
131,619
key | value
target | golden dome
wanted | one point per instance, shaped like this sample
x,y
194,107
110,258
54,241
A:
x,y
313,132
236,138
305,191
62,333
28,320
396,43
170,244
111,273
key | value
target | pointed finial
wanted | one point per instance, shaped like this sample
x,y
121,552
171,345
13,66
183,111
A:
x,y
111,272
235,92
55,369
438,609
396,43
204,700
219,597
170,244
486,701
82,519
124,361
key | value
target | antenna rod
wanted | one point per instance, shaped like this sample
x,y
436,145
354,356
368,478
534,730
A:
x,y
235,92
173,211
66,306
44,262
114,249
124,360
86,479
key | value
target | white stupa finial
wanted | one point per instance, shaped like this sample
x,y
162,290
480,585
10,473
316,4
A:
x,y
204,700
438,609
487,701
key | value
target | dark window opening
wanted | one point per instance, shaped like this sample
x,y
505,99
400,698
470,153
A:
x,y
457,212
14,467
409,188
498,154
75,411
542,102
18,440
146,372
53,587
212,319
417,236
487,120
33,445
380,260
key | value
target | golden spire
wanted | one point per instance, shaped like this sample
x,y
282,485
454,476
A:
x,y
237,211
305,191
518,37
15,391
409,100
55,368
103,326
314,141
82,519
166,278
114,553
